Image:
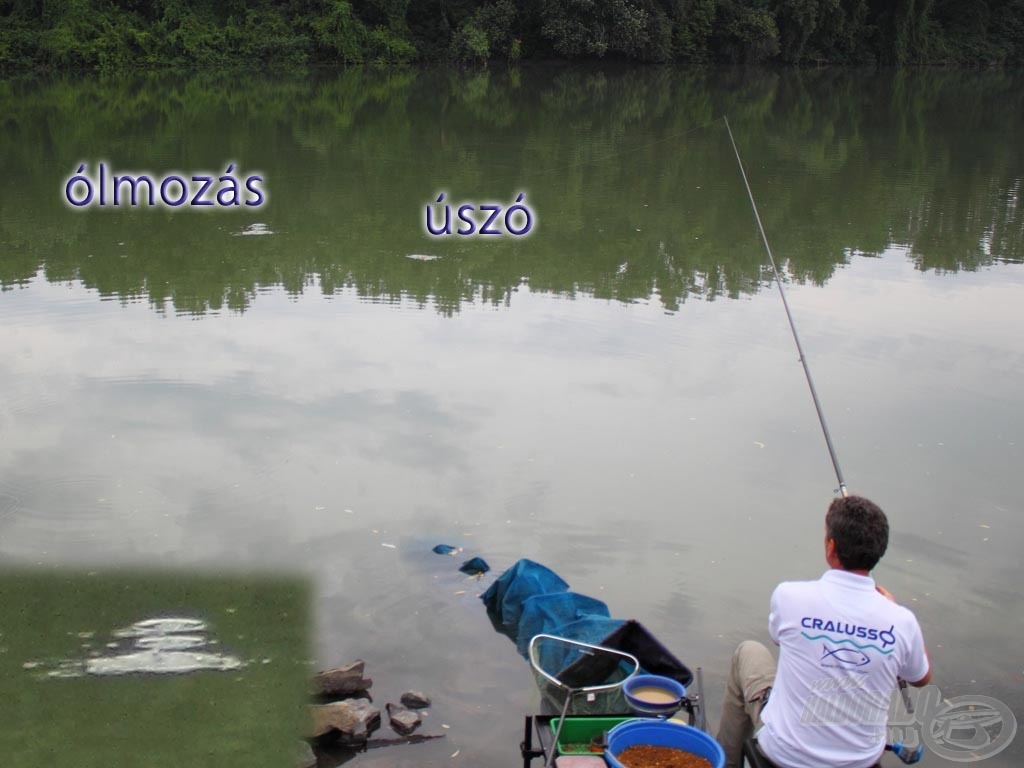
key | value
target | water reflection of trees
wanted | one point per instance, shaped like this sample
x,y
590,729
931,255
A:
x,y
633,201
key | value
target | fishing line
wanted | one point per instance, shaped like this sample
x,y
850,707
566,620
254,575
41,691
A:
x,y
789,315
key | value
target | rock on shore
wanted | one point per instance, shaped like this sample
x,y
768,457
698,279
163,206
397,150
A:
x,y
343,681
353,720
415,700
403,720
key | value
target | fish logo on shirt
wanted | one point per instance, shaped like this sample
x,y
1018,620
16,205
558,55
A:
x,y
851,657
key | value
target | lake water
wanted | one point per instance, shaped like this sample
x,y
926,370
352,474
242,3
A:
x,y
617,396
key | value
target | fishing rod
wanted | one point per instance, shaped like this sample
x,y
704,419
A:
x,y
807,373
789,315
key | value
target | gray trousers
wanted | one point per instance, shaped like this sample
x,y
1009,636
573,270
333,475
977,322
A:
x,y
751,674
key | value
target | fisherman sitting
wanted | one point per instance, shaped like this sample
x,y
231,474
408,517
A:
x,y
844,644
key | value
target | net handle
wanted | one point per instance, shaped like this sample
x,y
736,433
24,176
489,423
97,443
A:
x,y
535,663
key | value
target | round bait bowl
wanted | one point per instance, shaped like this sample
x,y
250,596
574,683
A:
x,y
658,733
668,698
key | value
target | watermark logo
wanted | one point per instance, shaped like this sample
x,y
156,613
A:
x,y
963,729
969,728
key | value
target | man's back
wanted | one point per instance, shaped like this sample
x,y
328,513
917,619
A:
x,y
842,647
843,643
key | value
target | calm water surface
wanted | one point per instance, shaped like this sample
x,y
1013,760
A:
x,y
616,396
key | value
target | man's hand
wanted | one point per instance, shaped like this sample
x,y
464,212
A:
x,y
884,592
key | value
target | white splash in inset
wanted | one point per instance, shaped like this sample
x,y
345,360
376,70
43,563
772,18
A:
x,y
161,627
259,228
161,663
162,646
170,642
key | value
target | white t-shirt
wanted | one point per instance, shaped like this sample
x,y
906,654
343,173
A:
x,y
842,646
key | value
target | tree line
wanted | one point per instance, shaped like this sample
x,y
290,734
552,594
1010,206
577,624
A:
x,y
115,35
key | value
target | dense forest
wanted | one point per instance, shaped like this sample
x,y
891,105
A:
x,y
117,35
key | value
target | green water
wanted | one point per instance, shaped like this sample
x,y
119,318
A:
x,y
617,395
244,717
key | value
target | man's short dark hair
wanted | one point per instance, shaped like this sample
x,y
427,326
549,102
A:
x,y
860,530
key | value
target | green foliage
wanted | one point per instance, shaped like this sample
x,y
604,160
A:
x,y
627,24
746,34
843,34
911,22
487,33
497,20
577,28
693,22
1008,25
384,48
972,31
338,34
117,35
19,43
263,36
82,36
385,13
797,21
192,37
574,28
655,40
471,44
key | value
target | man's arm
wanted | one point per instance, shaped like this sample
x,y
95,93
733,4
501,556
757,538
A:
x,y
928,672
927,675
773,617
